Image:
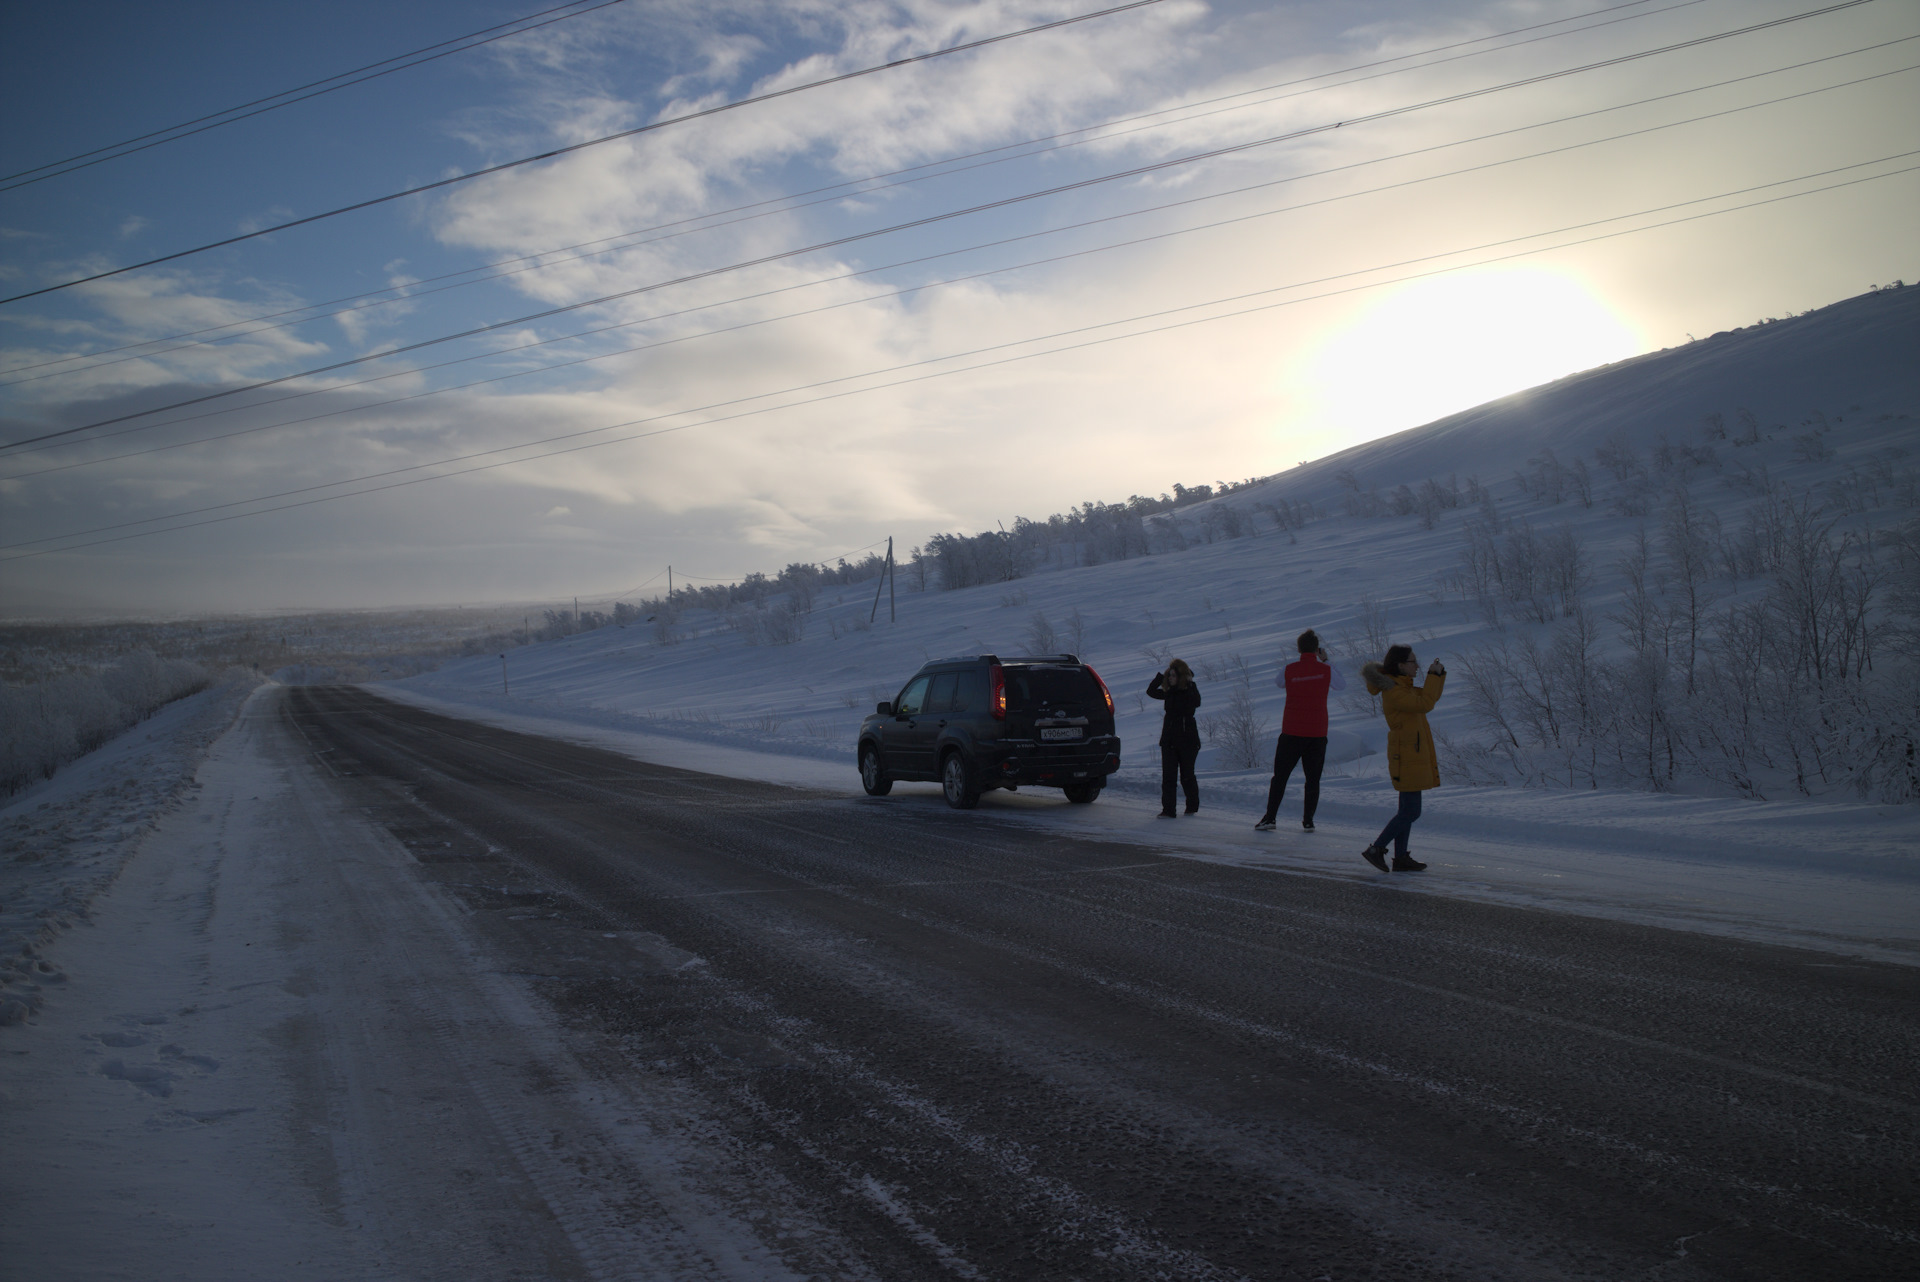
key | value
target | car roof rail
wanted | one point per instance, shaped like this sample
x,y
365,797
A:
x,y
1041,658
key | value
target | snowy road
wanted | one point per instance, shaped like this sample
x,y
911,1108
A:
x,y
498,1006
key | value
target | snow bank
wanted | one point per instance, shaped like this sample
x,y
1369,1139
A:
x,y
65,840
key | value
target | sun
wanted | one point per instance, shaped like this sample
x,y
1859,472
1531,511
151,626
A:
x,y
1446,344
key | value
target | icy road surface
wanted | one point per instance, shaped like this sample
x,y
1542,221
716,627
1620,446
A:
x,y
404,997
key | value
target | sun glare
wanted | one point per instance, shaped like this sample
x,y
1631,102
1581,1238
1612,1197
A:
x,y
1438,346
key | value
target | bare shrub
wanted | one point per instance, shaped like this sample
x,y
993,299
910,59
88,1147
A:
x,y
1229,668
1040,635
1373,622
1618,458
1074,630
45,725
1564,566
1810,687
783,627
1811,447
1360,502
1237,732
1525,579
763,625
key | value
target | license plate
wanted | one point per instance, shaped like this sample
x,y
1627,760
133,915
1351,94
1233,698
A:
x,y
1060,734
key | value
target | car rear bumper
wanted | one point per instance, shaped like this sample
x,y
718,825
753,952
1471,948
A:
x,y
1020,761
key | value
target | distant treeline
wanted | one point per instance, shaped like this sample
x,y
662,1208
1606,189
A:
x,y
1091,534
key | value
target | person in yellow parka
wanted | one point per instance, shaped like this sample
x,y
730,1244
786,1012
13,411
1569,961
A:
x,y
1411,760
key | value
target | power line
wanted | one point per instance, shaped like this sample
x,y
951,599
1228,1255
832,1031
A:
x,y
911,224
613,137
643,583
973,276
839,190
1172,325
186,129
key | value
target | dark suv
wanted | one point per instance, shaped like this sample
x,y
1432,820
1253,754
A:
x,y
983,722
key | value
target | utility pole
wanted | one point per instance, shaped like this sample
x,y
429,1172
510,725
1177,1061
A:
x,y
669,592
892,574
503,676
576,613
875,612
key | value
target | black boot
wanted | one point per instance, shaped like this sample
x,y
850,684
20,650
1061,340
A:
x,y
1407,863
1376,855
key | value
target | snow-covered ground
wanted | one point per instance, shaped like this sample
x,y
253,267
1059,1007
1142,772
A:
x,y
65,840
276,1054
1832,870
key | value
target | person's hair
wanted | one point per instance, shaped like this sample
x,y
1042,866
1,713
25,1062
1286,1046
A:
x,y
1396,655
1182,674
1308,642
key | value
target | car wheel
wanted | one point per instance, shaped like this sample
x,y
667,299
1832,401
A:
x,y
958,785
1081,793
874,779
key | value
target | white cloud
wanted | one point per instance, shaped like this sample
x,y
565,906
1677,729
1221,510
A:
x,y
1232,398
137,312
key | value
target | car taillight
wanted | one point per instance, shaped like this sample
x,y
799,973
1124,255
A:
x,y
997,692
1104,692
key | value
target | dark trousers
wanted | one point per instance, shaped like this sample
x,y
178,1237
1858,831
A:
x,y
1401,823
1179,759
1293,750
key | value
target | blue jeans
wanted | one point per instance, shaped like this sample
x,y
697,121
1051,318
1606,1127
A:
x,y
1401,823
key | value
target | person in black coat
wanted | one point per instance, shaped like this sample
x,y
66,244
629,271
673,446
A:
x,y
1179,735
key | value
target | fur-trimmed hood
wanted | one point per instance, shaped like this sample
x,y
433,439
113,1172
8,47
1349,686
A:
x,y
1378,682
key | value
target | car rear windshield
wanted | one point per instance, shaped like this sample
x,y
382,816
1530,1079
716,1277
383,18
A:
x,y
1062,688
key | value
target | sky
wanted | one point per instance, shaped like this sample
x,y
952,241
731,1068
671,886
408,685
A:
x,y
1223,239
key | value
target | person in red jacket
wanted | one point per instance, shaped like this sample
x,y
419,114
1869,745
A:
x,y
1303,727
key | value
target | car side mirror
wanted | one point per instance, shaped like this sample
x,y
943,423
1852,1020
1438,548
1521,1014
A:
x,y
883,708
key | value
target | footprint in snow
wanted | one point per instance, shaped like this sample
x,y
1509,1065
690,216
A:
x,y
151,1078
201,1062
175,1119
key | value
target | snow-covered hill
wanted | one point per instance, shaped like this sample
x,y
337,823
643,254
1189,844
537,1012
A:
x,y
1857,360
1825,403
